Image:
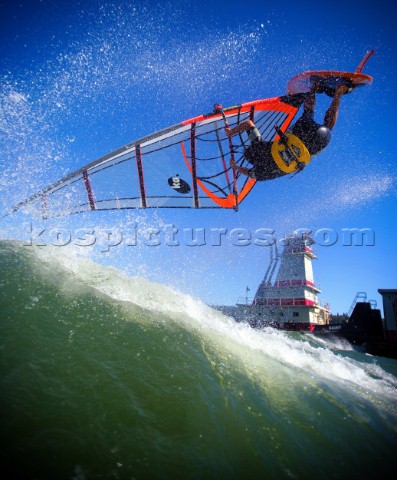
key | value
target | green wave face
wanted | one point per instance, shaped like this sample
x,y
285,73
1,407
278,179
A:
x,y
105,376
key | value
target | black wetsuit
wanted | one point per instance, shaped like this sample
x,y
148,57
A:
x,y
259,156
315,136
263,165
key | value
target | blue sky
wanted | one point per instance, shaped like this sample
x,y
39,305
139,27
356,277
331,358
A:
x,y
79,79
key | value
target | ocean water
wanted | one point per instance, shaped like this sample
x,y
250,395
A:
x,y
105,376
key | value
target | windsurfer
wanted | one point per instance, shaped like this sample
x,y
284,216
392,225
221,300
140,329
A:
x,y
313,135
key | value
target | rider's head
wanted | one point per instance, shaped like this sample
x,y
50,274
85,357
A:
x,y
323,137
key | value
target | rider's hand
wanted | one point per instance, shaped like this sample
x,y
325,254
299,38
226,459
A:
x,y
342,89
316,86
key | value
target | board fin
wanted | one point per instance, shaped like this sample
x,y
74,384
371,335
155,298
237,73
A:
x,y
363,62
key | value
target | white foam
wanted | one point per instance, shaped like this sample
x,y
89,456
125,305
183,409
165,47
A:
x,y
240,342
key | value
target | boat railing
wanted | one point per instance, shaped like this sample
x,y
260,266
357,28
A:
x,y
279,302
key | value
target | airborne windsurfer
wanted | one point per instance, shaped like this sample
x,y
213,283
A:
x,y
196,148
314,136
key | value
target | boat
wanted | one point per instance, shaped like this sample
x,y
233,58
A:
x,y
291,301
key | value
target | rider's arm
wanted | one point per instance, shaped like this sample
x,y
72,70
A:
x,y
331,115
310,100
310,103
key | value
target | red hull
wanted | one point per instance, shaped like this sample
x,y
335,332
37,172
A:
x,y
299,327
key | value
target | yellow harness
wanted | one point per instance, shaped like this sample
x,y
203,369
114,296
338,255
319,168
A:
x,y
290,155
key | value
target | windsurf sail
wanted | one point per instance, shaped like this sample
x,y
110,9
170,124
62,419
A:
x,y
184,166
